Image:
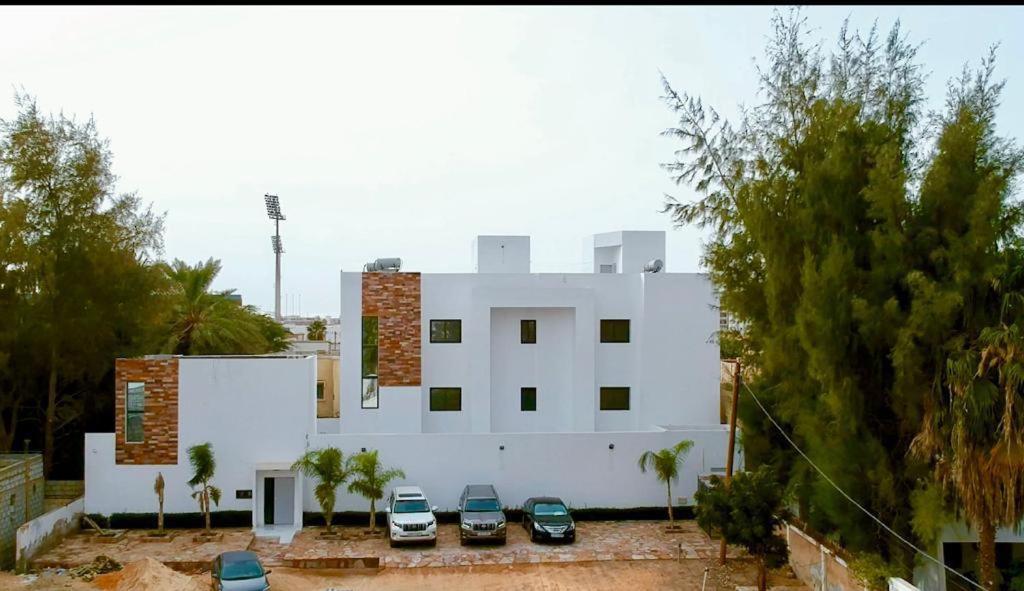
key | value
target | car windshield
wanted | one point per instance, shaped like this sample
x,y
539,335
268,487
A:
x,y
418,506
481,505
245,569
550,509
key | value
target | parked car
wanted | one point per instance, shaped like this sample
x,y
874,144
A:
x,y
239,571
480,514
410,517
547,518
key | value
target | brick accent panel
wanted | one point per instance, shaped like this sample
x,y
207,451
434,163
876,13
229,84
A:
x,y
160,411
394,298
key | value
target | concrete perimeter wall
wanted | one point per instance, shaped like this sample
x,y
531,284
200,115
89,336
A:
x,y
810,560
46,531
578,467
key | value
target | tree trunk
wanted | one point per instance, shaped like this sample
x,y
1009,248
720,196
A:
x,y
51,414
671,518
7,432
762,574
160,516
987,554
373,516
206,506
328,517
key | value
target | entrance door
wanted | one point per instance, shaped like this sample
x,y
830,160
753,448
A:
x,y
268,501
284,501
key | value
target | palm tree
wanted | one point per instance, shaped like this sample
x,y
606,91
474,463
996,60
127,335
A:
x,y
371,479
665,464
317,330
158,488
205,322
328,468
203,466
974,433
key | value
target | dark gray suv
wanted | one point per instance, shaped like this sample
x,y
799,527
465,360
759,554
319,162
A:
x,y
480,514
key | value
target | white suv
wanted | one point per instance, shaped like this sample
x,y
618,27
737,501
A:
x,y
410,517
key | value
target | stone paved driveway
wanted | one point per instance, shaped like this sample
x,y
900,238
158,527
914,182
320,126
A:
x,y
595,540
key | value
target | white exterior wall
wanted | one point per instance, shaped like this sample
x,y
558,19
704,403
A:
x,y
929,576
578,467
629,251
253,410
670,364
501,254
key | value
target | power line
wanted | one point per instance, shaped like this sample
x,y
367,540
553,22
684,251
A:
x,y
849,498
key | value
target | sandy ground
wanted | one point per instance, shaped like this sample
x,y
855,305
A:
x,y
592,576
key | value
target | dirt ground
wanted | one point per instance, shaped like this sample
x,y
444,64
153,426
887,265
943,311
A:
x,y
607,575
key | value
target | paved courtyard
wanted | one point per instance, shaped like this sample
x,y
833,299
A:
x,y
596,541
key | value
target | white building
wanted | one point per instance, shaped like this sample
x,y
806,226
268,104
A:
x,y
538,383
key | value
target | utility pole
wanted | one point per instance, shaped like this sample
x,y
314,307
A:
x,y
274,212
732,440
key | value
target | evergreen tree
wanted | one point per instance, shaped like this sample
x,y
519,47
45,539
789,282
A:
x,y
853,258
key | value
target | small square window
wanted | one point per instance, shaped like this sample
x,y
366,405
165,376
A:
x,y
616,398
243,494
319,389
528,332
528,399
614,331
446,399
445,331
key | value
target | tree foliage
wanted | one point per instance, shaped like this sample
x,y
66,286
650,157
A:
x,y
205,322
330,470
370,477
200,457
863,244
317,330
747,512
665,465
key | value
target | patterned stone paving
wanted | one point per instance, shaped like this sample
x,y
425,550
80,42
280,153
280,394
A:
x,y
595,541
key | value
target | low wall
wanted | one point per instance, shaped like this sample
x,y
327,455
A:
x,y
588,470
818,566
46,531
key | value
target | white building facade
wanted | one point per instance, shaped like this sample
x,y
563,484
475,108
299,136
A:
x,y
541,384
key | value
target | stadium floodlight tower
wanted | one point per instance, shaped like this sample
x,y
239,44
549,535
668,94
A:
x,y
274,212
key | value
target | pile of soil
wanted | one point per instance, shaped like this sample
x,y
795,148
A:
x,y
147,574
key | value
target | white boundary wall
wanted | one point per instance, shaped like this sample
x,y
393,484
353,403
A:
x,y
44,531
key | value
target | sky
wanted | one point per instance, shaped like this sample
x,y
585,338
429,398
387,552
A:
x,y
409,131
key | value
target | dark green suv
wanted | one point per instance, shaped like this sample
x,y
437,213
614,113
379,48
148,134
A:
x,y
547,518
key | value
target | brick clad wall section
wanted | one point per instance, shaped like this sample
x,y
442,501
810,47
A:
x,y
394,298
160,411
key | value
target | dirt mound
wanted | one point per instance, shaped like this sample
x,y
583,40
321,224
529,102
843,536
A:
x,y
147,575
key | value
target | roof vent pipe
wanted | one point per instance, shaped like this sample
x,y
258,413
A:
x,y
389,264
654,266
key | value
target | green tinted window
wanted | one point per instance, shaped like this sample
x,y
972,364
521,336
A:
x,y
445,331
442,399
616,398
527,399
135,403
615,331
528,332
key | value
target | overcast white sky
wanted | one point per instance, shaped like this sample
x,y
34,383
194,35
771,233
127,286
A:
x,y
407,132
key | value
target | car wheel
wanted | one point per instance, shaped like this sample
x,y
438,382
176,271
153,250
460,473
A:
x,y
433,543
462,540
391,542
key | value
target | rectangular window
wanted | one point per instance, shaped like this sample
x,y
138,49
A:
x,y
528,332
446,399
243,494
608,268
445,331
135,404
616,398
319,389
615,331
527,399
370,397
